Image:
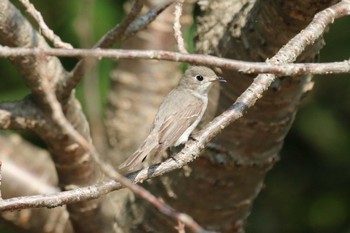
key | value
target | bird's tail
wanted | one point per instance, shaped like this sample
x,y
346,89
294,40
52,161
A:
x,y
139,155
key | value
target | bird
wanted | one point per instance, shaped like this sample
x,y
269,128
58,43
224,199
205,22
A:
x,y
178,115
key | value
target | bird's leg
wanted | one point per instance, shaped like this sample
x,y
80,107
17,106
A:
x,y
192,137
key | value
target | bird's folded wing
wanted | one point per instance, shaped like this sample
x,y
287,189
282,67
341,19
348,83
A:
x,y
176,124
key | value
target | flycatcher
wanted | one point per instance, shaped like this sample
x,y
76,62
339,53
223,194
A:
x,y
178,115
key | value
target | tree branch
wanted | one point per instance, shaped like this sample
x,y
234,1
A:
x,y
48,33
241,66
143,21
117,33
177,26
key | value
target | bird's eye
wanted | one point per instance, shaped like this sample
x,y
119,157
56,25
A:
x,y
199,77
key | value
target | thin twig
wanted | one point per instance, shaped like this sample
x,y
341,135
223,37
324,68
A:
x,y
143,21
177,26
199,59
118,31
47,32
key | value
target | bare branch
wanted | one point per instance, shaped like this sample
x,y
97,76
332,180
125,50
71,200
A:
x,y
241,66
143,21
177,26
92,192
47,32
57,114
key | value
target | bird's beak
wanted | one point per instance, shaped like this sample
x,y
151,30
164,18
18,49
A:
x,y
221,79
218,79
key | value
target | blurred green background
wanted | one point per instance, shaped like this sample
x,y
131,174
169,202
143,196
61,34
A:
x,y
308,190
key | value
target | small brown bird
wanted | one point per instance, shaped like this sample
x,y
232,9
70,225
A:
x,y
178,115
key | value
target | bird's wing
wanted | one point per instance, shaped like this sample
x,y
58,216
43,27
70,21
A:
x,y
140,154
177,123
